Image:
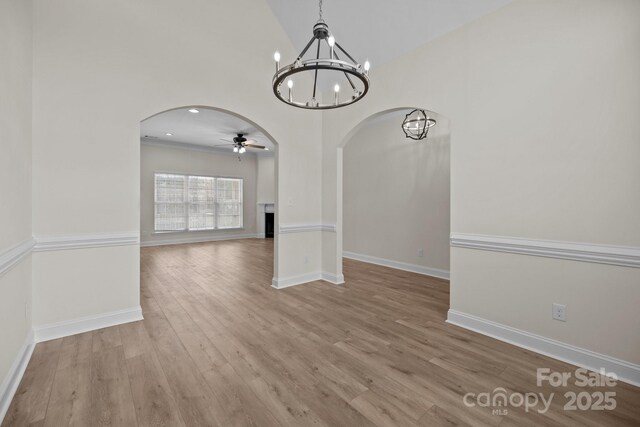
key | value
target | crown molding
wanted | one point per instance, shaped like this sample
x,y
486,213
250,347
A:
x,y
162,143
625,256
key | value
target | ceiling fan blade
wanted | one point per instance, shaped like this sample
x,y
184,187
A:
x,y
255,146
222,145
226,140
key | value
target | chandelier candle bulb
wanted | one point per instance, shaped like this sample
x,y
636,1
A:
x,y
276,57
336,89
332,42
290,85
367,65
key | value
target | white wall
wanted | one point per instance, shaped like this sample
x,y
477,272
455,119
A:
x,y
162,159
396,194
544,100
266,191
15,181
102,67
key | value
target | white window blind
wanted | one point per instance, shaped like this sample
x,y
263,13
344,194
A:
x,y
229,203
191,203
170,202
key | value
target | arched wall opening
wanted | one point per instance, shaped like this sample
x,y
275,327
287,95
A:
x,y
205,131
393,202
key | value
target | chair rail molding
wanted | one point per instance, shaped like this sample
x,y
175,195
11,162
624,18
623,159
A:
x,y
12,256
82,241
625,256
302,228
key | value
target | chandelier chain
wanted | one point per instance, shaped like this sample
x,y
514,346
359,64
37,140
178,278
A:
x,y
320,8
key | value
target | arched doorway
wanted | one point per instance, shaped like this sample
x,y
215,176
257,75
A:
x,y
390,170
229,153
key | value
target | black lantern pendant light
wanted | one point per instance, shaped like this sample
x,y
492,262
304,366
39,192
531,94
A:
x,y
334,67
416,124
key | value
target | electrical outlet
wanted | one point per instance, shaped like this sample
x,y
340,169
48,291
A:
x,y
559,312
420,253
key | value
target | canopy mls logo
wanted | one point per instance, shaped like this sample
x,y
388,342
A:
x,y
499,400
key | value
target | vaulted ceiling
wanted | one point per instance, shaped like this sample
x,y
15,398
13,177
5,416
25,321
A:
x,y
379,30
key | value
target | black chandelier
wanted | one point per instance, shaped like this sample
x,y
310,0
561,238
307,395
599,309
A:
x,y
416,124
357,76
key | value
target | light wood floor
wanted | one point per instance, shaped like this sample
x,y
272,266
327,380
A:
x,y
218,346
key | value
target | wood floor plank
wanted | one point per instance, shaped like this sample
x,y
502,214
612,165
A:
x,y
381,411
75,349
111,400
240,405
151,393
106,338
70,401
219,346
193,398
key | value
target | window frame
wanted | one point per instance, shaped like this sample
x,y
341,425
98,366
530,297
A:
x,y
187,203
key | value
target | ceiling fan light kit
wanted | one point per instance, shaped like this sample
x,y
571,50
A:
x,y
356,75
416,125
240,144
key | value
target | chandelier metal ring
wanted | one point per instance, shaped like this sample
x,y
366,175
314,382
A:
x,y
429,122
319,64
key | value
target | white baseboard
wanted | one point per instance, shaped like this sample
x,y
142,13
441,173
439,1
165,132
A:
x,y
285,282
626,371
14,376
86,324
333,278
398,265
196,239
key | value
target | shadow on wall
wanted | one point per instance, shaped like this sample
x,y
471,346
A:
x,y
396,194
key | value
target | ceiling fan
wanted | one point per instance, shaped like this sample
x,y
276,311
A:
x,y
240,144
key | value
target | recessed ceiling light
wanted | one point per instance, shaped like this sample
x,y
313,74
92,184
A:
x,y
266,148
194,110
169,134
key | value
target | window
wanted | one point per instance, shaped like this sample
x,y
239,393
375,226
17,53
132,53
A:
x,y
191,203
